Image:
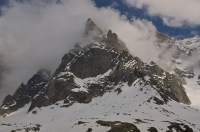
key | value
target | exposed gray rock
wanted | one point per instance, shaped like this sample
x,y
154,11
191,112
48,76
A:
x,y
188,72
152,129
92,63
24,93
113,41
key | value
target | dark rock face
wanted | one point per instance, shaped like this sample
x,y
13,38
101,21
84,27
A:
x,y
93,63
179,127
169,86
57,89
23,94
152,129
117,126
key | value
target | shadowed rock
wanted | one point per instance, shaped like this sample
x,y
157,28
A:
x,y
24,93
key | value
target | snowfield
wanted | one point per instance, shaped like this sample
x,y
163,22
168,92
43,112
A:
x,y
193,91
131,105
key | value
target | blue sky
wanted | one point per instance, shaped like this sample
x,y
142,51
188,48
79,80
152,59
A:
x,y
177,32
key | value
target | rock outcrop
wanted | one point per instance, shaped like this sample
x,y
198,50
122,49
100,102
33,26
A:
x,y
24,93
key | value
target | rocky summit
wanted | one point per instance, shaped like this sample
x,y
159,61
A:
x,y
102,84
105,56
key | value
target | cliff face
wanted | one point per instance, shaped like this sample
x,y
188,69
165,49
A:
x,y
24,93
92,70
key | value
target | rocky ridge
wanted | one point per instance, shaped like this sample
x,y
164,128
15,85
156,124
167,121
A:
x,y
24,93
105,56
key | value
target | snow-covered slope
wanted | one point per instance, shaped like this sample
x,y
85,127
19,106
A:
x,y
132,105
193,89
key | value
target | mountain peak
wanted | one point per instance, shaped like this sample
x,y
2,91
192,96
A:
x,y
90,21
92,28
110,39
100,80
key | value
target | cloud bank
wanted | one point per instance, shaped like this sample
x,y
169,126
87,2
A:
x,y
36,34
174,13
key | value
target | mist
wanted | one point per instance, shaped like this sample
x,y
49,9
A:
x,y
36,34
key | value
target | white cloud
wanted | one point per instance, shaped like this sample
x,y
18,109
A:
x,y
172,22
175,13
35,35
114,5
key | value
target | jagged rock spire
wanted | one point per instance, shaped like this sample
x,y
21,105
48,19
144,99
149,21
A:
x,y
94,31
112,35
90,22
91,27
114,41
24,93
